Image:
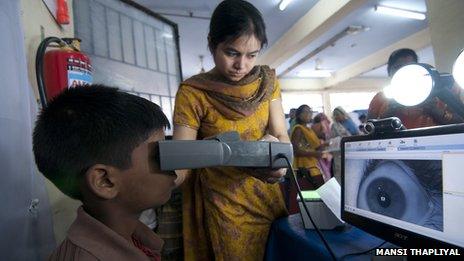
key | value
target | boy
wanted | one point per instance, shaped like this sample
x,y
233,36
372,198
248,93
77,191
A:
x,y
93,143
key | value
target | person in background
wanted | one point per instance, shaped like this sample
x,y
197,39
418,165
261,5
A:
x,y
341,119
227,211
94,143
321,126
430,113
342,123
291,120
307,147
362,119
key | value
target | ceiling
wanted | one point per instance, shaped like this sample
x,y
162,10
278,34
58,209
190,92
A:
x,y
193,31
346,53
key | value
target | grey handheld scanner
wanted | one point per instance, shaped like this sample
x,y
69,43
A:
x,y
225,149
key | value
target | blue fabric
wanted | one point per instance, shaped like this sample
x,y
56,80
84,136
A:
x,y
288,240
350,126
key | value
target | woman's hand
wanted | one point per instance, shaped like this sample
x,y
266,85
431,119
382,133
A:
x,y
183,133
266,174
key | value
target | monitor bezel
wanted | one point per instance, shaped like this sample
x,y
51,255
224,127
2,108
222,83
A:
x,y
400,237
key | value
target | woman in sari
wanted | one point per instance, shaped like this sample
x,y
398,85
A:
x,y
227,211
321,126
307,147
341,127
342,123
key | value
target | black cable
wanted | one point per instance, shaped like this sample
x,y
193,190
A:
x,y
364,252
39,67
280,155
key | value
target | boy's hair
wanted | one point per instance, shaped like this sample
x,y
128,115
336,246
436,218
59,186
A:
x,y
396,55
90,125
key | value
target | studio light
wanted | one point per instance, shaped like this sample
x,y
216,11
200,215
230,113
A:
x,y
411,85
458,70
399,12
416,83
283,4
387,91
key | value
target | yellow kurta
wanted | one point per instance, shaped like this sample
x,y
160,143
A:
x,y
310,142
226,213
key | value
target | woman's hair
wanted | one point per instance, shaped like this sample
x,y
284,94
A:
x,y
340,111
232,19
299,111
317,119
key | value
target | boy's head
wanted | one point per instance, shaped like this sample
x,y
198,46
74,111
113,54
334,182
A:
x,y
92,142
400,58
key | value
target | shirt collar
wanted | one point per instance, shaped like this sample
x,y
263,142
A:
x,y
104,243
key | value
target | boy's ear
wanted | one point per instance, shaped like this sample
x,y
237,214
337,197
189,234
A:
x,y
101,181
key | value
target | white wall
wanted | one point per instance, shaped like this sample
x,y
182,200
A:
x,y
26,221
37,23
309,89
446,31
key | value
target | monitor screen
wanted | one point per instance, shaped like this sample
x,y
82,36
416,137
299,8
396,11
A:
x,y
406,187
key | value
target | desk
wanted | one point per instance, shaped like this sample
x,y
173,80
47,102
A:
x,y
288,240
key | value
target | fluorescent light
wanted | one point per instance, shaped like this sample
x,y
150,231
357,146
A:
x,y
167,35
283,4
399,12
315,73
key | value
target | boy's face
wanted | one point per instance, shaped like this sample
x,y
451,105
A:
x,y
142,187
402,61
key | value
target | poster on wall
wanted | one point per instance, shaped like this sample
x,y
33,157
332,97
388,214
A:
x,y
59,10
51,5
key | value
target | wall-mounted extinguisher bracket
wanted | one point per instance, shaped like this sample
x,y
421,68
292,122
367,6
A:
x,y
61,67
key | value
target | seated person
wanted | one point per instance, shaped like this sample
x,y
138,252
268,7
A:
x,y
430,113
94,143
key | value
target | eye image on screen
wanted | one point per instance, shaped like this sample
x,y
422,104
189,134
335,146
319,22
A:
x,y
408,190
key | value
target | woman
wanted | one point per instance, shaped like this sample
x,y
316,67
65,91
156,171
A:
x,y
227,212
343,125
307,146
321,126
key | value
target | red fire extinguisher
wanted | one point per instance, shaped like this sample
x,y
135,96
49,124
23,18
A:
x,y
60,68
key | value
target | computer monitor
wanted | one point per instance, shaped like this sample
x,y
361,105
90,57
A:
x,y
406,187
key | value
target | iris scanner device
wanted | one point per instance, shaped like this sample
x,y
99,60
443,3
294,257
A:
x,y
225,149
